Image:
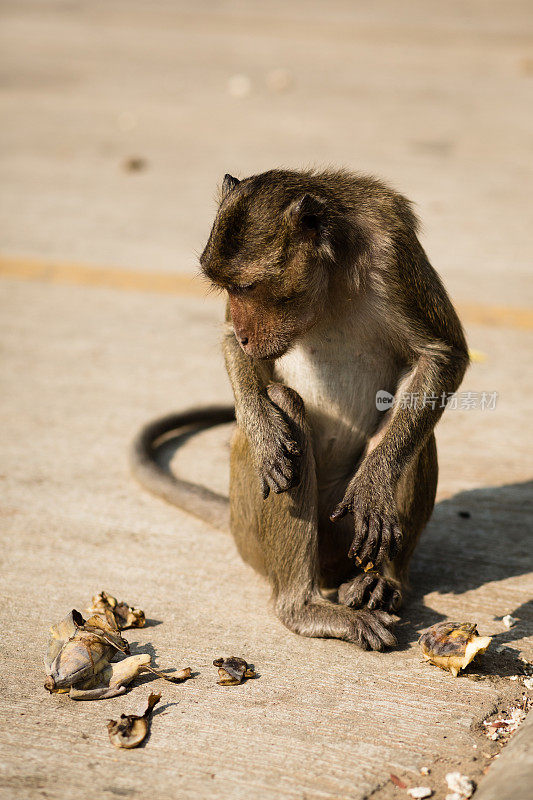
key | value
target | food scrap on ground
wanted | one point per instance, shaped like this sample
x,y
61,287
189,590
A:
x,y
502,728
509,621
130,730
452,645
398,781
79,649
233,670
79,658
125,616
419,792
115,678
461,787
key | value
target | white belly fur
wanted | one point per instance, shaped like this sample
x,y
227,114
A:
x,y
337,372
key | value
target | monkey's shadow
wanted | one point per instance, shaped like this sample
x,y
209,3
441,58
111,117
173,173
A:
x,y
474,538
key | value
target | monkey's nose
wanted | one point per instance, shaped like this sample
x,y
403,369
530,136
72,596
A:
x,y
243,340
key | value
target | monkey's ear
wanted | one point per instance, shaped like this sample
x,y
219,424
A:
x,y
307,213
228,184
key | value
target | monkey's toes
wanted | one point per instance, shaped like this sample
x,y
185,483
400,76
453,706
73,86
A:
x,y
372,630
371,590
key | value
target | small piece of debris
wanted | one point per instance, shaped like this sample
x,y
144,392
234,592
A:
x,y
425,770
125,616
502,728
130,730
509,621
452,645
419,792
398,781
233,670
464,514
461,786
134,164
528,683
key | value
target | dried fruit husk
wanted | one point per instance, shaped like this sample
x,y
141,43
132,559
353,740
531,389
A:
x,y
130,730
233,670
80,649
452,645
112,681
125,616
79,655
179,677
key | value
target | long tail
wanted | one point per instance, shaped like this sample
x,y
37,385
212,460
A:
x,y
196,500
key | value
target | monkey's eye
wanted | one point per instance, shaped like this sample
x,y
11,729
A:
x,y
291,298
243,288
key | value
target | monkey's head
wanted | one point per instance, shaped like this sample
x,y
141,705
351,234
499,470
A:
x,y
271,249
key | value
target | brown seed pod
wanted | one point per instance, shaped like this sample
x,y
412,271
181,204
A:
x,y
233,670
130,730
79,649
125,616
452,645
115,678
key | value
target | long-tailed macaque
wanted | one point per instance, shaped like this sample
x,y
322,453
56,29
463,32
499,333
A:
x,y
331,300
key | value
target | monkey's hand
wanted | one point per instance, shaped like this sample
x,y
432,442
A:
x,y
275,441
378,535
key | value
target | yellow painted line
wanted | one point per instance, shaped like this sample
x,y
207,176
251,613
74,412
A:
x,y
496,316
54,272
48,271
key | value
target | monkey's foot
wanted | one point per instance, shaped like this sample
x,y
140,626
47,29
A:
x,y
371,590
370,630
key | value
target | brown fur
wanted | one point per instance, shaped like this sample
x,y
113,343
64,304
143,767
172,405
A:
x,y
330,299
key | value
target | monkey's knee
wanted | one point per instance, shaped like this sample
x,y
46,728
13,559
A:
x,y
287,400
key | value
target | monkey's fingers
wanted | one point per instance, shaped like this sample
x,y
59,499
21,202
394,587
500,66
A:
x,y
391,540
377,595
360,535
352,593
281,483
397,538
289,468
292,447
340,510
371,544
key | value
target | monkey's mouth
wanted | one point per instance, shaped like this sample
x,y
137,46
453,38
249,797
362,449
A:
x,y
262,353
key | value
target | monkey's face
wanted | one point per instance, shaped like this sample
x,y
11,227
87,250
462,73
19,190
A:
x,y
267,325
268,251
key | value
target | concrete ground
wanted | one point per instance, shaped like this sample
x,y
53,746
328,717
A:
x,y
437,101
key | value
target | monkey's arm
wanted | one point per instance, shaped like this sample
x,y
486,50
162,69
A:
x,y
436,356
273,441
